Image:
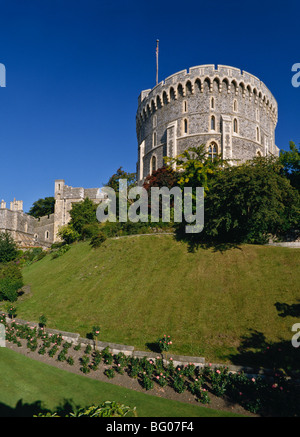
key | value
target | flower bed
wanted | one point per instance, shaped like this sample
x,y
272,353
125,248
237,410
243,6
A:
x,y
255,394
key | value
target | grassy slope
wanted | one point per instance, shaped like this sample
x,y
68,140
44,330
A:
x,y
139,288
28,384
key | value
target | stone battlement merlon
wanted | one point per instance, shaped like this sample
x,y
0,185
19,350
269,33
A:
x,y
232,75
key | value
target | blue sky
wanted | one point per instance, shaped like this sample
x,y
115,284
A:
x,y
75,70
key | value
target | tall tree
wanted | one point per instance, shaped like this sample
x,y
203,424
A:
x,y
291,164
42,207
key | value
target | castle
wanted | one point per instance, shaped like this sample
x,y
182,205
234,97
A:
x,y
232,112
29,231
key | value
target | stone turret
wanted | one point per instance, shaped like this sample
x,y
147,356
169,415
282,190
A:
x,y
230,111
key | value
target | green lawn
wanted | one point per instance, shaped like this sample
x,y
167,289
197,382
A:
x,y
28,385
138,288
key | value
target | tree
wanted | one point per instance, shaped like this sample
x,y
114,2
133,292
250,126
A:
x,y
121,174
68,234
8,247
163,177
42,207
83,213
291,164
250,202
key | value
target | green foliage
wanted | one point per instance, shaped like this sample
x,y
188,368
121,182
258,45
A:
x,y
61,251
121,174
68,234
42,207
107,409
291,164
147,382
164,343
11,281
98,239
12,311
110,373
90,230
250,202
8,247
32,255
43,320
82,214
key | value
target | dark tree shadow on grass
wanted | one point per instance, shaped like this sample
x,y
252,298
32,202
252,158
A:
x,y
23,409
195,242
286,310
257,352
153,347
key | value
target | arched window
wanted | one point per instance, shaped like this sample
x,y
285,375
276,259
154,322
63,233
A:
x,y
213,151
212,103
235,126
258,153
184,108
154,139
154,120
235,105
213,123
185,126
153,164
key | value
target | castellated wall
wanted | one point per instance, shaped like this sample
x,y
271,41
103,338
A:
x,y
232,112
29,231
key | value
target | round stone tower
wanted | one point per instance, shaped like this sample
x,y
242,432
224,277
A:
x,y
230,111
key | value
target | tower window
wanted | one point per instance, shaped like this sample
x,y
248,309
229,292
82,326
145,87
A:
x,y
213,151
185,106
154,121
213,123
154,139
235,105
153,164
235,126
185,126
212,103
257,134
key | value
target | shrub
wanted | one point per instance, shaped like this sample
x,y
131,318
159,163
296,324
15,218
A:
x,y
107,409
68,234
179,383
110,373
162,379
42,320
62,250
147,381
8,247
98,239
11,281
164,343
12,311
70,361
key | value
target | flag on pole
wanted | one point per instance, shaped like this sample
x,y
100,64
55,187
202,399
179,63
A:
x,y
157,41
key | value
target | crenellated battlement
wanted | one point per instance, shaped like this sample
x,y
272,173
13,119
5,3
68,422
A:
x,y
232,79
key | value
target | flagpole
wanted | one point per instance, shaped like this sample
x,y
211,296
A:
x,y
157,41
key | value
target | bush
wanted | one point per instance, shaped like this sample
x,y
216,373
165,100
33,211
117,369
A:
x,y
68,234
98,239
110,373
63,249
10,281
8,247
